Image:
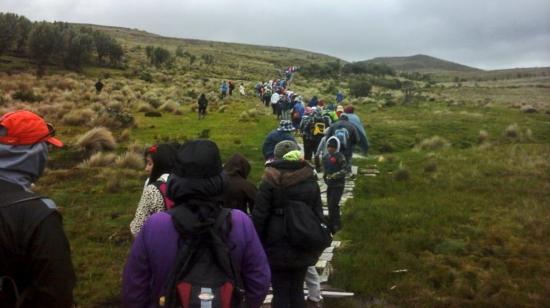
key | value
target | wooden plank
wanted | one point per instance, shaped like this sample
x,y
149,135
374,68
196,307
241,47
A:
x,y
326,256
336,244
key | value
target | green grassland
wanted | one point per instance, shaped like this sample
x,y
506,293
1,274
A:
x,y
467,215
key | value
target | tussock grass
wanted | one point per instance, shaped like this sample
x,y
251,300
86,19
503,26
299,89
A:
x,y
512,131
169,106
433,144
130,160
97,139
99,159
80,117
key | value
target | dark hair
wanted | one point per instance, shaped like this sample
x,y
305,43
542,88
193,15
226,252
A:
x,y
164,157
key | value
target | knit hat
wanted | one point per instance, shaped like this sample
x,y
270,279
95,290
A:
x,y
285,126
349,109
198,159
23,127
284,147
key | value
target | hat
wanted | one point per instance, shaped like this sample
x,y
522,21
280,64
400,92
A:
x,y
23,127
198,159
284,147
340,108
348,109
285,126
308,110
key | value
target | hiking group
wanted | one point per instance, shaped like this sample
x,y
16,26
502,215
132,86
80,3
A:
x,y
204,236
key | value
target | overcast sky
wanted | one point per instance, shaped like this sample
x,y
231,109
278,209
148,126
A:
x,y
488,34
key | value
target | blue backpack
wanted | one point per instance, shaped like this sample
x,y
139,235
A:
x,y
343,136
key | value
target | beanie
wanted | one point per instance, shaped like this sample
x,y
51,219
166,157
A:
x,y
284,147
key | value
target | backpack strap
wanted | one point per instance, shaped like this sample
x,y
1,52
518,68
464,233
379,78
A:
x,y
16,197
163,188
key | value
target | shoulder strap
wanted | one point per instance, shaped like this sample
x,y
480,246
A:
x,y
16,197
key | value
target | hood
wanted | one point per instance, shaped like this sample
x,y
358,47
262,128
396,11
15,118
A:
x,y
23,164
337,143
237,165
183,189
287,173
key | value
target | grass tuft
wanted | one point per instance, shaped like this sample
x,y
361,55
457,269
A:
x,y
97,139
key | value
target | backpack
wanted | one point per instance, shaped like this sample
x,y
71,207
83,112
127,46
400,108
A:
x,y
9,292
163,188
204,272
318,126
304,229
343,135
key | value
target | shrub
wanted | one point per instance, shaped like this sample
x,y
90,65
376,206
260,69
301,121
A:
x,y
360,88
99,159
26,94
146,76
97,139
130,160
78,117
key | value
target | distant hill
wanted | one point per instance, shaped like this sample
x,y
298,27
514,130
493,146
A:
x,y
232,60
422,64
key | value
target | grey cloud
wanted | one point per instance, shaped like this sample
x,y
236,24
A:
x,y
486,34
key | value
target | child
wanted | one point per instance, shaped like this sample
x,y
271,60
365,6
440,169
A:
x,y
334,164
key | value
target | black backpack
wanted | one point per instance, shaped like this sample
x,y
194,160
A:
x,y
204,272
9,292
304,229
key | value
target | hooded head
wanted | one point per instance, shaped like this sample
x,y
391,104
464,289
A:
x,y
197,173
23,146
334,143
349,109
237,165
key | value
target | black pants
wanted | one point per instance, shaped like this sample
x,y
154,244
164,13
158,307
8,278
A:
x,y
202,112
310,146
288,288
334,194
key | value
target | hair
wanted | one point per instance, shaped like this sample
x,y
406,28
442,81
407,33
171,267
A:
x,y
163,157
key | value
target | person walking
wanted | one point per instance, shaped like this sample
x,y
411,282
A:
x,y
159,164
203,105
223,89
283,132
35,256
239,193
334,175
283,181
196,187
241,90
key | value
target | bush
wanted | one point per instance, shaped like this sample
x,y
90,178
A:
x,y
360,88
512,131
97,139
26,94
145,107
146,76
